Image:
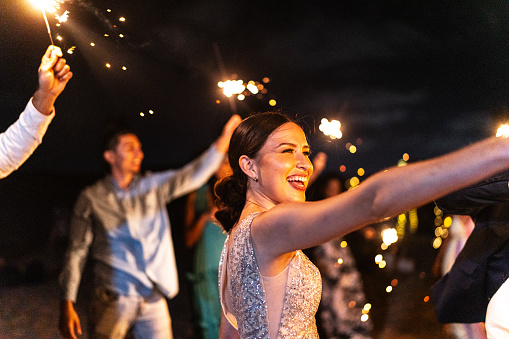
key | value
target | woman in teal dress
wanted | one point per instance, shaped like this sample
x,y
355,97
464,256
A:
x,y
206,237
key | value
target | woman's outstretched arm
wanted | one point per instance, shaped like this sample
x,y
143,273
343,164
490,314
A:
x,y
291,226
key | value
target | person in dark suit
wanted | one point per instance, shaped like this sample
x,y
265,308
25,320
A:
x,y
476,288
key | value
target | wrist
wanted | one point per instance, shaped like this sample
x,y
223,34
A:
x,y
43,101
66,304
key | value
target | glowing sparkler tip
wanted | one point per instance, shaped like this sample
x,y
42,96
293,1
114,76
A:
x,y
332,128
48,5
503,131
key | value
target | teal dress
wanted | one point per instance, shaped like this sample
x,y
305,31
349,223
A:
x,y
205,271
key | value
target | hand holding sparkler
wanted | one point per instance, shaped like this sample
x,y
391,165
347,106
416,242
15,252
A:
x,y
54,74
223,142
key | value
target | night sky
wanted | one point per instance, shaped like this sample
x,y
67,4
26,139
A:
x,y
407,76
422,77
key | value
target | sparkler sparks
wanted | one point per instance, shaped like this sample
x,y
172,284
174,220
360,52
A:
x,y
51,6
48,5
63,17
45,5
332,129
243,90
503,131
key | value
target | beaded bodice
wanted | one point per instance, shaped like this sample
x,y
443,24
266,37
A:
x,y
302,295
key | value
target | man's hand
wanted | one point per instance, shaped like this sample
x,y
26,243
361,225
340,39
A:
x,y
223,142
69,322
319,163
54,74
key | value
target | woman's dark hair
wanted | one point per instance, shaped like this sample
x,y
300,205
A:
x,y
247,139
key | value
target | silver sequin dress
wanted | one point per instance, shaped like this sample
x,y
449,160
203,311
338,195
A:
x,y
302,296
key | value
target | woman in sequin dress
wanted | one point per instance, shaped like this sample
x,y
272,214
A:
x,y
268,288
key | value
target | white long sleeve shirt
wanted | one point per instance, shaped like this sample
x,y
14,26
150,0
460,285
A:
x,y
21,139
127,232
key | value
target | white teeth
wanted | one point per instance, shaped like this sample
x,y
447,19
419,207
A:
x,y
302,179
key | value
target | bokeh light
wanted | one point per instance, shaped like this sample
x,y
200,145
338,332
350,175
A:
x,y
231,87
447,221
389,236
332,128
354,182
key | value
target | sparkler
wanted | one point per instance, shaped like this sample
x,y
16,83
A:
x,y
47,26
43,5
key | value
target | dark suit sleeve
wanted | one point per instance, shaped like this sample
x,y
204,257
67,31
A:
x,y
471,200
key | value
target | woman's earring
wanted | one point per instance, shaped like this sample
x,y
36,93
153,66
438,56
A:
x,y
255,179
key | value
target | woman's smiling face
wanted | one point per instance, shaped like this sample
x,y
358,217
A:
x,y
283,165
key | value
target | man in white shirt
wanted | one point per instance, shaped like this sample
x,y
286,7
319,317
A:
x,y
20,140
